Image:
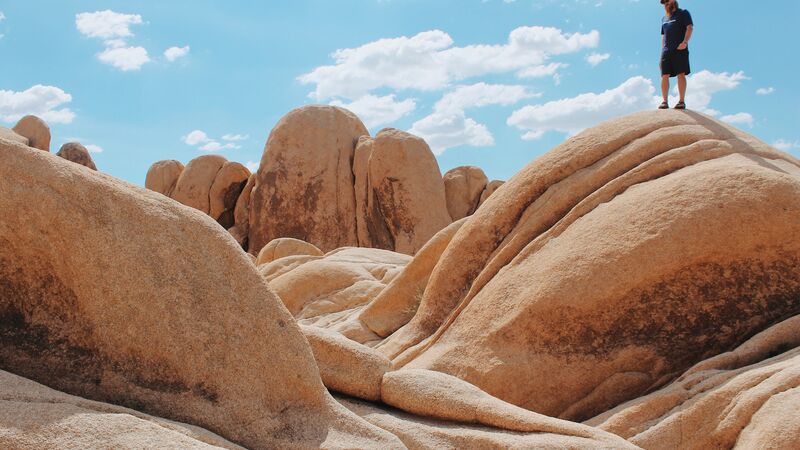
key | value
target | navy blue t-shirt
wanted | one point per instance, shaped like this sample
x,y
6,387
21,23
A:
x,y
674,28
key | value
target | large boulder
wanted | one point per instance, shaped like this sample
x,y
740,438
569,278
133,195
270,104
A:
x,y
613,263
35,416
36,130
225,190
77,153
241,214
746,398
489,190
304,185
163,176
9,135
406,202
92,303
193,187
283,247
463,187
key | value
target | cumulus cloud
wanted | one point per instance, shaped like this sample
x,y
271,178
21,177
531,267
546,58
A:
x,y
94,148
448,126
375,111
43,101
596,58
571,115
106,24
235,137
197,137
124,58
765,91
741,118
429,61
252,166
174,53
702,87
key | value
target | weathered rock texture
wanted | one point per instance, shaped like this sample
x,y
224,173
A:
x,y
208,183
613,263
77,153
489,190
405,204
304,186
464,186
9,135
35,130
37,417
745,398
283,247
93,303
163,176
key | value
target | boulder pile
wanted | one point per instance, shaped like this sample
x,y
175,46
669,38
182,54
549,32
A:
x,y
638,286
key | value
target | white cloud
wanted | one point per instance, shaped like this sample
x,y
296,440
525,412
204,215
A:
x,y
196,137
94,148
765,91
541,70
214,146
596,58
124,58
429,61
375,111
448,126
174,53
2,16
444,130
106,24
783,144
252,166
43,101
703,85
741,118
235,137
571,115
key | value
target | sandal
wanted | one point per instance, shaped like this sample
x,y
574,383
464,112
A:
x,y
664,105
680,105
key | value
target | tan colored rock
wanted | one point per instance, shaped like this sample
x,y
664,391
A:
x,y
77,153
192,335
283,247
346,366
489,190
364,216
9,135
406,192
423,432
398,302
35,416
306,175
241,215
463,187
36,130
228,184
163,176
194,183
746,398
611,264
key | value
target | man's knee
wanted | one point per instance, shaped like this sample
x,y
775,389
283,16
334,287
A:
x,y
682,76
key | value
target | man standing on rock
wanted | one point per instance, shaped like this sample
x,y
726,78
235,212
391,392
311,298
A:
x,y
676,30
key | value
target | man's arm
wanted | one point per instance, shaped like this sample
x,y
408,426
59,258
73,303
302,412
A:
x,y
686,38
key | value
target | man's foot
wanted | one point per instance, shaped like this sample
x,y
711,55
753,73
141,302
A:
x,y
664,105
680,105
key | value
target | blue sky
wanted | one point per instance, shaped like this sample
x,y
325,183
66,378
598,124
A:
x,y
492,83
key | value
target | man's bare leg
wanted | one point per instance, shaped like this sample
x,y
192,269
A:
x,y
665,87
682,86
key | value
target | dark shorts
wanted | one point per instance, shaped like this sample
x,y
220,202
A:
x,y
674,62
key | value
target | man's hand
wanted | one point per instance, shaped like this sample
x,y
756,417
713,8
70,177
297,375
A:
x,y
682,45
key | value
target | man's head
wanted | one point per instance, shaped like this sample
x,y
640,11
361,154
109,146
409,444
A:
x,y
670,5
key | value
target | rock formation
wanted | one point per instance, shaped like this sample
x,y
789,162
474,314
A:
x,y
405,202
304,186
35,130
77,153
163,176
283,247
208,183
464,186
489,190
